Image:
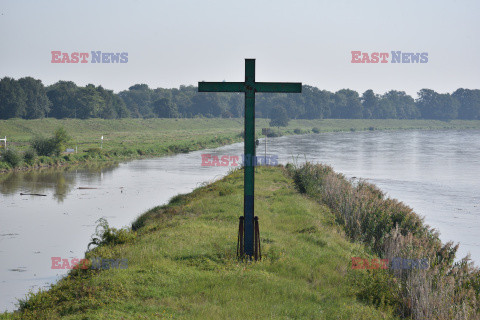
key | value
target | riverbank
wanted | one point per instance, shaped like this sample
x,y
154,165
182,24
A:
x,y
181,258
182,265
127,139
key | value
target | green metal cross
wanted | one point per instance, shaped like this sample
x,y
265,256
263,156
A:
x,y
249,87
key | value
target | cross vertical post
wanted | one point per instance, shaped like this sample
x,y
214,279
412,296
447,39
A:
x,y
249,87
249,155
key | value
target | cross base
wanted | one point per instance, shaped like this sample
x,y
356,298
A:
x,y
241,254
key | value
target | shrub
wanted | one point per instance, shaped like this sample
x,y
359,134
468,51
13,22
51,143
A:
x,y
4,166
59,140
29,156
49,146
297,131
105,235
42,146
12,157
274,133
316,130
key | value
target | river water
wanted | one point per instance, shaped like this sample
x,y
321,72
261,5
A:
x,y
435,172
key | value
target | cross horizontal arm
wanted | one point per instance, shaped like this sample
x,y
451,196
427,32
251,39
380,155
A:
x,y
221,87
292,87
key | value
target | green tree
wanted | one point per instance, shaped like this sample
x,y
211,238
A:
x,y
237,106
317,102
90,103
433,105
347,105
369,103
469,103
51,146
37,103
138,99
13,101
164,108
63,98
403,104
279,117
207,104
59,140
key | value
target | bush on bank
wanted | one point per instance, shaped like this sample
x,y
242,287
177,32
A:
x,y
446,290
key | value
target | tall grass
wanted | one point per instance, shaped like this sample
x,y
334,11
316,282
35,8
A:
x,y
446,290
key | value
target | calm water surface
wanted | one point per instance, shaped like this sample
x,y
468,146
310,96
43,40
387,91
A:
x,y
435,172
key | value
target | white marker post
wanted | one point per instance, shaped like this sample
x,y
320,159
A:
x,y
101,145
5,140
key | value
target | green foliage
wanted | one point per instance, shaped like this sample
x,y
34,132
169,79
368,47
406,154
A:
x,y
274,133
379,288
469,103
59,140
315,130
279,117
164,108
433,105
391,229
37,102
300,131
30,156
13,101
42,146
12,157
51,146
105,235
28,98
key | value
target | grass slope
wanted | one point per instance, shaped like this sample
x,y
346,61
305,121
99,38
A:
x,y
182,264
144,133
133,138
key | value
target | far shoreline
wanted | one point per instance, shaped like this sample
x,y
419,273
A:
x,y
129,139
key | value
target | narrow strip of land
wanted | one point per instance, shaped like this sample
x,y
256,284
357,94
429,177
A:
x,y
182,264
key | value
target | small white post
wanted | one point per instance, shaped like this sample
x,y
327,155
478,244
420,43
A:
x,y
101,145
5,141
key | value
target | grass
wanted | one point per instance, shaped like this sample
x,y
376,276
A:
x,y
134,138
182,264
444,290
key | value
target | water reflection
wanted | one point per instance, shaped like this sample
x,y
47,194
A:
x,y
58,182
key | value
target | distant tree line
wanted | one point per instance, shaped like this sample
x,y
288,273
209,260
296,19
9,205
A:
x,y
28,98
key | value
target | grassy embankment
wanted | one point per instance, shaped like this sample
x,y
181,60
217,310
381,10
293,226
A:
x,y
182,264
134,138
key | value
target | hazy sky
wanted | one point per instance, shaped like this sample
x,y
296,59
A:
x,y
176,42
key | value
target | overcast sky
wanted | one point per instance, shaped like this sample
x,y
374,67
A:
x,y
176,42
